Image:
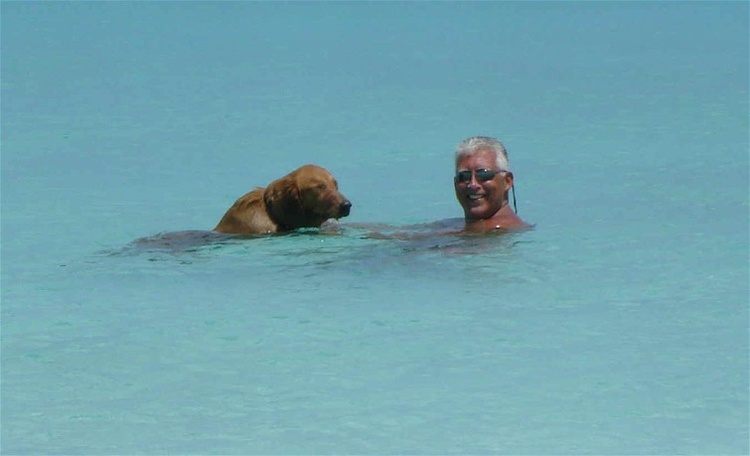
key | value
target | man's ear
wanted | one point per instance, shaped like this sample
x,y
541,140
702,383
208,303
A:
x,y
508,180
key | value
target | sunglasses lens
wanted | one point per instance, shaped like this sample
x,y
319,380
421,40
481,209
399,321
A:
x,y
463,176
485,174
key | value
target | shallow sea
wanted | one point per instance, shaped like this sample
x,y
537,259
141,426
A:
x,y
618,325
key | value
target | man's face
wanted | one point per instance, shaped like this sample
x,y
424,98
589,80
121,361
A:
x,y
480,198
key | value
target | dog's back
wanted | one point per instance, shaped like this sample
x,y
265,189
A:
x,y
247,215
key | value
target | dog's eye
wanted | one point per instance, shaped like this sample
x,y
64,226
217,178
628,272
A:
x,y
322,186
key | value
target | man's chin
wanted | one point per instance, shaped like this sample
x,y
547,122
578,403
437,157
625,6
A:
x,y
478,212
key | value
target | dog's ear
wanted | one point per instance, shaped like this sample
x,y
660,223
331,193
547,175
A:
x,y
282,199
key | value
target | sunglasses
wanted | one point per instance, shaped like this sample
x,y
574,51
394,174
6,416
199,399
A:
x,y
483,175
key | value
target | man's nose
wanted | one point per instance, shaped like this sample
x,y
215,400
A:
x,y
474,182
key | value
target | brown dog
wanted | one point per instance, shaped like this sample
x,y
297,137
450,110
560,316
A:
x,y
306,197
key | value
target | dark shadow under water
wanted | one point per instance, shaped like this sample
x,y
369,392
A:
x,y
426,236
362,251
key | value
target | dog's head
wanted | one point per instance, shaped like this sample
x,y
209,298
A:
x,y
306,197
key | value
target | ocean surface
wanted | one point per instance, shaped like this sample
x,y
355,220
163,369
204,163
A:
x,y
618,325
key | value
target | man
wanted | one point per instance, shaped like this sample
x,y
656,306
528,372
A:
x,y
482,182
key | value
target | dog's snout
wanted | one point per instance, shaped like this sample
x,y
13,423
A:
x,y
345,207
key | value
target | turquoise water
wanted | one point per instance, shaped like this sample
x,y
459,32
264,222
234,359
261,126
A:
x,y
619,325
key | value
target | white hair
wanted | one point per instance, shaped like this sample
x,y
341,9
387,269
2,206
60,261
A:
x,y
470,146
